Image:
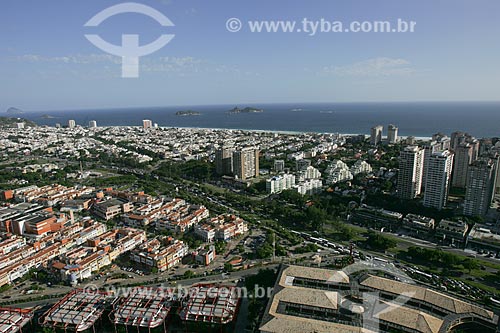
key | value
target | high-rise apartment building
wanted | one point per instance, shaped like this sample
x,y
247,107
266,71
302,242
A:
x,y
279,165
392,134
146,123
224,161
92,124
376,135
463,158
411,165
246,163
480,187
280,183
71,123
440,142
458,138
437,185
302,165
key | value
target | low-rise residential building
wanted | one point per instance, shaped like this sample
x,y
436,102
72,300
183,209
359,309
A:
x,y
183,218
367,215
223,227
204,256
482,238
12,243
51,195
76,205
160,254
418,223
151,212
206,232
452,231
111,208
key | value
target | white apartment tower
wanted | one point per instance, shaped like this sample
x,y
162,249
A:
x,y
411,167
438,180
392,134
376,135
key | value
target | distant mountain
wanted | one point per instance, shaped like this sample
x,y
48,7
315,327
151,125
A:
x,y
13,110
245,110
8,122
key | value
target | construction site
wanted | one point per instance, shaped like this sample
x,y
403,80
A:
x,y
143,308
209,306
13,320
78,311
201,308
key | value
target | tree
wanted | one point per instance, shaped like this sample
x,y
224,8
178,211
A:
x,y
316,217
189,274
379,242
470,264
220,247
228,267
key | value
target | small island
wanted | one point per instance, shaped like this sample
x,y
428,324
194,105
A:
x,y
188,113
47,116
245,110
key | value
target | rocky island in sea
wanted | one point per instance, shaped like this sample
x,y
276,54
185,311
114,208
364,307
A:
x,y
47,116
188,113
13,110
245,110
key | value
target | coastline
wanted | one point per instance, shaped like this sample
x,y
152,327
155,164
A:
x,y
418,138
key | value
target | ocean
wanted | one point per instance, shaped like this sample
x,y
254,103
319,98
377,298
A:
x,y
480,119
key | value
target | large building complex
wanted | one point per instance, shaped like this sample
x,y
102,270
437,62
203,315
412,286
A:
x,y
323,301
437,185
411,166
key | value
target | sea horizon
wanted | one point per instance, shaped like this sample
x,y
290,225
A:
x,y
418,119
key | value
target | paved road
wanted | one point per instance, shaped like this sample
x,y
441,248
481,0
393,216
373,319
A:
x,y
232,278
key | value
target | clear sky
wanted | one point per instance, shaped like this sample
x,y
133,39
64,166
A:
x,y
46,63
